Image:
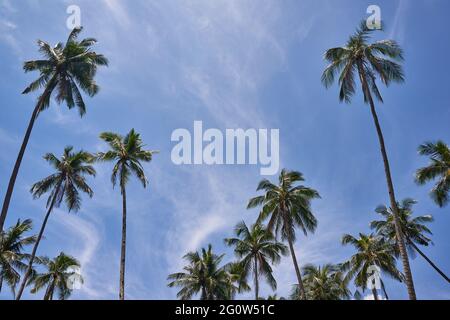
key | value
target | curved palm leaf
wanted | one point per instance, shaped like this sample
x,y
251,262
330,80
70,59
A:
x,y
438,169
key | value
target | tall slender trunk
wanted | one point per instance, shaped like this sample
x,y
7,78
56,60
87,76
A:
x,y
441,273
12,179
375,295
36,245
124,244
1,283
384,289
50,289
204,296
256,280
297,271
403,253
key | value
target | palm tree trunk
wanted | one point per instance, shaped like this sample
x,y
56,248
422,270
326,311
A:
x,y
12,179
50,289
124,244
1,283
26,138
384,289
442,274
297,270
375,295
404,255
256,280
36,245
204,295
390,185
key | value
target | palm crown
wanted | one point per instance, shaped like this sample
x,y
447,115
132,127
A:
x,y
57,276
127,153
439,168
323,283
12,243
368,60
202,275
413,229
68,179
287,205
371,250
67,68
257,249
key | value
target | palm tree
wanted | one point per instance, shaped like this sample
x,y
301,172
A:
x,y
369,61
287,206
12,243
66,70
413,229
65,184
323,283
257,249
57,277
202,275
127,153
371,251
439,168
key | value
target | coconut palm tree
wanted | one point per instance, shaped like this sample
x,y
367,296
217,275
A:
x,y
66,70
371,251
59,274
369,61
12,258
438,168
65,184
323,283
203,275
257,250
414,229
287,206
127,153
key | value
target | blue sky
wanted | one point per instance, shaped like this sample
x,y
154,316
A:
x,y
231,64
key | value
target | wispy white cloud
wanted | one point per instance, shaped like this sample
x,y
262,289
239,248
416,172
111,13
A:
x,y
8,27
399,25
197,220
8,37
119,11
6,5
221,52
84,248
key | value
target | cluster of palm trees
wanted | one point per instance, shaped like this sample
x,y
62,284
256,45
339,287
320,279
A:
x,y
69,68
286,206
65,70
57,275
